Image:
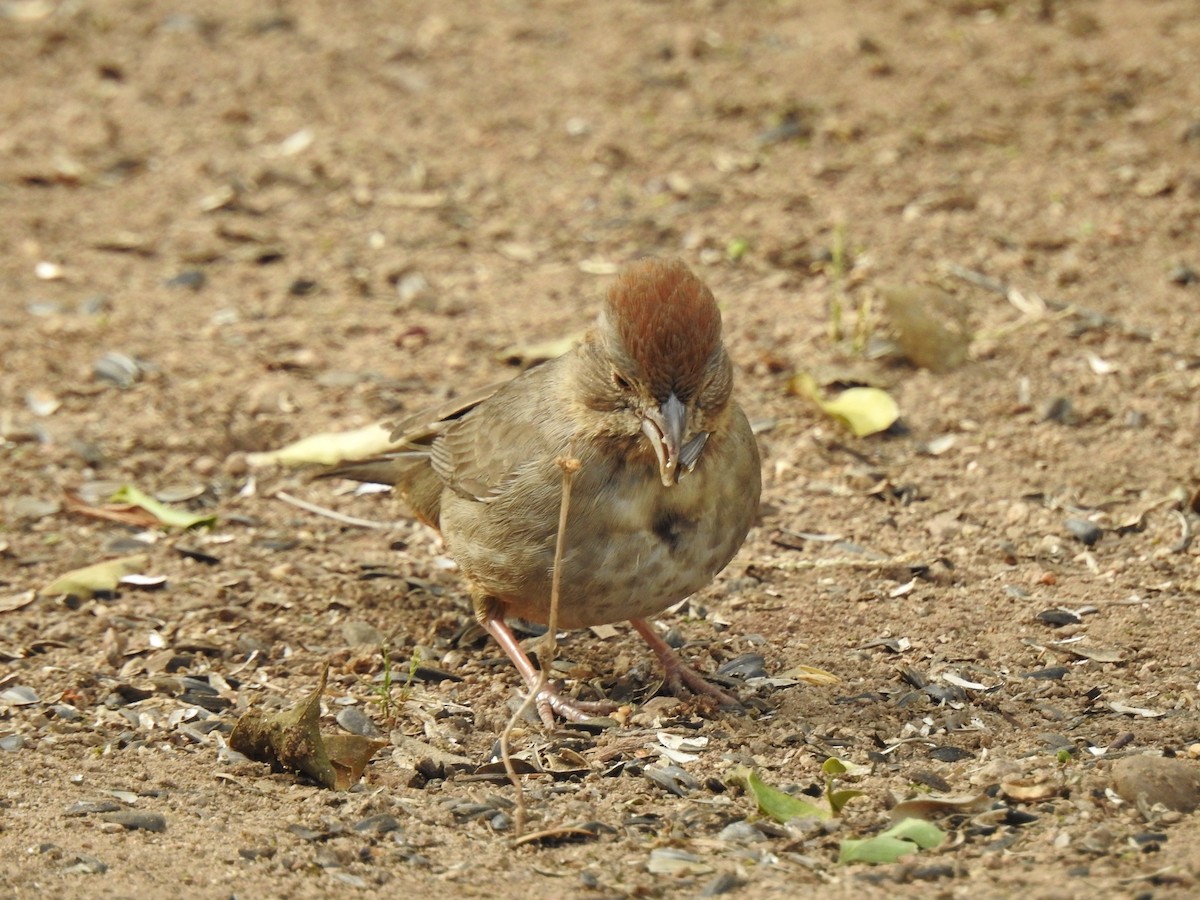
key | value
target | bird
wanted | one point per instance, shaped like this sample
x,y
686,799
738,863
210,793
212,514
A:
x,y
666,489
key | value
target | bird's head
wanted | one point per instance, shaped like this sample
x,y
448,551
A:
x,y
655,365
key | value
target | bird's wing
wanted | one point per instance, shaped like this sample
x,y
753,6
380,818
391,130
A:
x,y
420,428
484,451
475,444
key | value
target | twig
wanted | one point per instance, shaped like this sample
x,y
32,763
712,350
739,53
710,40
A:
x,y
546,652
334,514
1185,533
570,466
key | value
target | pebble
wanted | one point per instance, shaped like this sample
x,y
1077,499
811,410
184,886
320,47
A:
x,y
12,743
355,721
91,807
117,368
723,883
1175,783
672,861
192,279
1087,533
1057,618
672,779
1183,274
380,823
741,832
134,820
355,632
82,864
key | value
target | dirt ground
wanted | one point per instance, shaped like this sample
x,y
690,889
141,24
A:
x,y
227,226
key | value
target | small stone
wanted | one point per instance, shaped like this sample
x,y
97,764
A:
x,y
253,853
1061,410
741,832
381,823
92,807
355,721
192,278
1057,618
356,632
135,821
1053,673
1087,533
82,864
722,883
675,862
12,743
1175,783
117,368
1183,275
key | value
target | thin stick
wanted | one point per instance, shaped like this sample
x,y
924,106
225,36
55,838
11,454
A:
x,y
569,465
334,514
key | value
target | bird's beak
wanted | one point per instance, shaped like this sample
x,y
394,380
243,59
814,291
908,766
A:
x,y
665,427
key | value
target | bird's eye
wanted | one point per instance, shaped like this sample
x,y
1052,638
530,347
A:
x,y
620,381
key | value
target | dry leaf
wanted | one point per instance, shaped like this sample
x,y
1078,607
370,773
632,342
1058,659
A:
x,y
810,675
291,741
933,806
95,579
864,410
328,448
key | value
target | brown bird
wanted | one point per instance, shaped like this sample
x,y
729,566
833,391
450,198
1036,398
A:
x,y
667,488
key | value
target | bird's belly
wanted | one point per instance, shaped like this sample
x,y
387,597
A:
x,y
632,553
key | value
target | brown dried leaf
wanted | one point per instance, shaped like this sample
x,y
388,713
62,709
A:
x,y
291,741
933,807
122,513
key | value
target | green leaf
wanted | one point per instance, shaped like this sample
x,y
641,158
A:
x,y
169,516
838,799
924,834
906,837
774,803
875,850
835,766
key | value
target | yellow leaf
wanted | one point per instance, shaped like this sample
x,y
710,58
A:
x,y
811,675
864,410
99,578
329,448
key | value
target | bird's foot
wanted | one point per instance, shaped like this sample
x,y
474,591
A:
x,y
680,674
551,701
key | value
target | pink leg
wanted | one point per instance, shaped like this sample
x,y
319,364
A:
x,y
678,672
549,700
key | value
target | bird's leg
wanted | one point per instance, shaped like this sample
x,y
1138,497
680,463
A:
x,y
678,672
549,699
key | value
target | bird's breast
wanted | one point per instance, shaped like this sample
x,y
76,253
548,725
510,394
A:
x,y
633,546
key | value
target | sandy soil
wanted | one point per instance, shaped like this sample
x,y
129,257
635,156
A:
x,y
227,226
